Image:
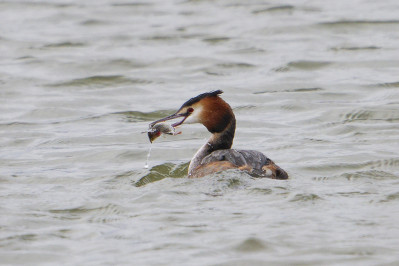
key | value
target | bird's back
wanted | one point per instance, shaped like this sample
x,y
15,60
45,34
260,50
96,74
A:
x,y
253,162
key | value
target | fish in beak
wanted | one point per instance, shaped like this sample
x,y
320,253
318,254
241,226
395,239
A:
x,y
161,128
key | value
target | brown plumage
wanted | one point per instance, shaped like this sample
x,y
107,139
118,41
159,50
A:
x,y
216,155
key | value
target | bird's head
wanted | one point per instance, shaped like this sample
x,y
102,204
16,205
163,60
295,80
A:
x,y
207,108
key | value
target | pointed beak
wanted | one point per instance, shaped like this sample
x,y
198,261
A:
x,y
171,117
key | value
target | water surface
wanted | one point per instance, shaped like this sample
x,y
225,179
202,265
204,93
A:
x,y
313,84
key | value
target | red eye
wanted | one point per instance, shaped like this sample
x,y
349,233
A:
x,y
190,110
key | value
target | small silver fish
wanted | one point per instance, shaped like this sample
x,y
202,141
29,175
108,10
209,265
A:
x,y
161,128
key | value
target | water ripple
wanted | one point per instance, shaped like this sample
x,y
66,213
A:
x,y
303,65
391,197
282,8
65,45
355,48
374,169
103,214
356,23
387,85
251,244
301,197
371,174
162,171
389,115
100,81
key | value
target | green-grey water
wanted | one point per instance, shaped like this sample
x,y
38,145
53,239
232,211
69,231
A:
x,y
313,84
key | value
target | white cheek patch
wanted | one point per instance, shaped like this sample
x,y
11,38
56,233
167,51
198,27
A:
x,y
194,117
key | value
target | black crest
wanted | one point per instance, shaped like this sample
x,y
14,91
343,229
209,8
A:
x,y
201,96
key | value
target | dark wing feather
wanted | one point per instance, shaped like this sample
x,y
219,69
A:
x,y
254,159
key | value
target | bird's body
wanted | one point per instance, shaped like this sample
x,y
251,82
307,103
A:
x,y
216,154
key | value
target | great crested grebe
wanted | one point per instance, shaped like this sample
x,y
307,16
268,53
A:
x,y
216,154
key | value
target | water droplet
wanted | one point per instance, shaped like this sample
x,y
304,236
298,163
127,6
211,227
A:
x,y
146,166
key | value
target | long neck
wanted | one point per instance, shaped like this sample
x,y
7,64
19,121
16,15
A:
x,y
218,141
